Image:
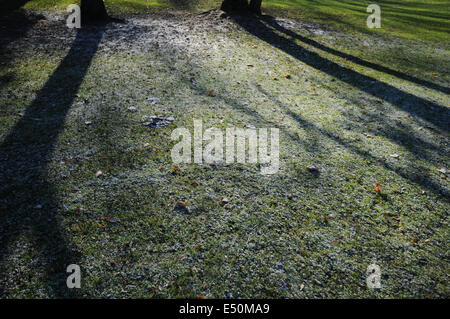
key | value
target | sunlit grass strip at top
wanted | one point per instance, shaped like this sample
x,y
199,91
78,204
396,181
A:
x,y
414,19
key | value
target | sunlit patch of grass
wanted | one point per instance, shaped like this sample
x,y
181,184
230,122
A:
x,y
427,20
414,19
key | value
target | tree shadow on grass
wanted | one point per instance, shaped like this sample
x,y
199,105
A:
x,y
419,178
358,60
13,26
416,145
265,29
7,6
28,201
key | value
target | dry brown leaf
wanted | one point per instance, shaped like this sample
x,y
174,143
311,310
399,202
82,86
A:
x,y
377,187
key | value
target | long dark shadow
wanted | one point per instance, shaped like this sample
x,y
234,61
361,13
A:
x,y
418,178
414,177
28,202
434,113
15,25
374,66
7,6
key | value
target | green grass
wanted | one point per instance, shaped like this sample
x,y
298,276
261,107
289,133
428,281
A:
x,y
427,20
414,19
291,235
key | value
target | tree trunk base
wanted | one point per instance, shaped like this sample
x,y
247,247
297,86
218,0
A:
x,y
234,6
255,6
242,6
93,12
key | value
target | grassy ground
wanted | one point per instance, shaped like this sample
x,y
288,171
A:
x,y
427,20
352,101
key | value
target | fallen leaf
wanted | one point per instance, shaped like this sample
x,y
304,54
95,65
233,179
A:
x,y
181,207
224,201
195,270
113,219
377,187
152,100
157,121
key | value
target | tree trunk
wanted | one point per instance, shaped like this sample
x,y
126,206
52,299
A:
x,y
255,6
93,10
234,5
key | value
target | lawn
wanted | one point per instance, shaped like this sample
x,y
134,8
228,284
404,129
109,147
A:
x,y
427,20
84,181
